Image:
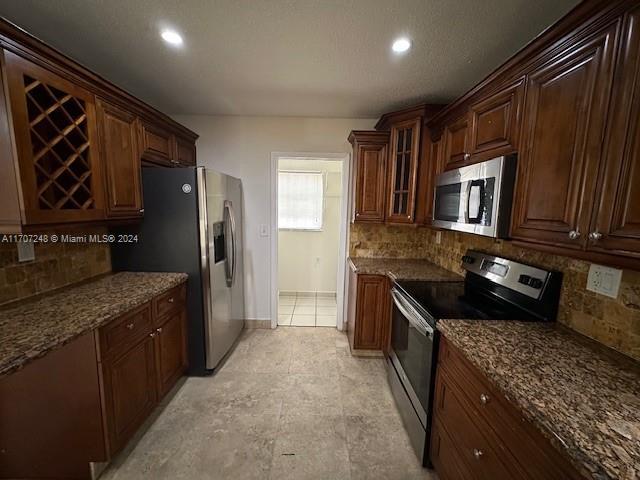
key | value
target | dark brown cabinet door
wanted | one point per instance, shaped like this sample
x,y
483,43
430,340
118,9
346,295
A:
x,y
429,167
55,129
370,173
565,111
371,312
157,144
171,351
495,122
130,391
121,157
616,226
185,152
403,168
456,143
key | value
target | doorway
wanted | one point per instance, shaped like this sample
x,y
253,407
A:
x,y
309,238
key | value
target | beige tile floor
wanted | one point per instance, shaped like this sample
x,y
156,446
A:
x,y
306,310
290,403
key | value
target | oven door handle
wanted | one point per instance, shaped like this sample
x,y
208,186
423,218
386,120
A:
x,y
411,317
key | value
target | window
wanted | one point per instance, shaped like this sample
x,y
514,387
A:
x,y
300,200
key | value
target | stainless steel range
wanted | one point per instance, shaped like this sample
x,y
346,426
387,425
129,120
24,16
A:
x,y
493,288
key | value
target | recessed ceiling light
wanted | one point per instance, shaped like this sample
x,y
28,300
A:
x,y
171,37
401,45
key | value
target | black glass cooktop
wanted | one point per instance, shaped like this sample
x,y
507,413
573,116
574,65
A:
x,y
442,300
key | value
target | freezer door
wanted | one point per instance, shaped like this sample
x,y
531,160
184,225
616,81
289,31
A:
x,y
219,257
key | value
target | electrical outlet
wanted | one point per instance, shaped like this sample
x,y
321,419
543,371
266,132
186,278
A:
x,y
438,238
26,251
604,280
264,230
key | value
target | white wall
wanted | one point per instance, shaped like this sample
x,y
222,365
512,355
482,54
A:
x,y
242,147
308,260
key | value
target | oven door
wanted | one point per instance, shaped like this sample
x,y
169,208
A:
x,y
468,198
412,353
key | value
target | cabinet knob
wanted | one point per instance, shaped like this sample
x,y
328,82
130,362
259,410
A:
x,y
130,326
574,235
152,334
595,236
170,300
159,329
477,453
142,210
484,398
467,156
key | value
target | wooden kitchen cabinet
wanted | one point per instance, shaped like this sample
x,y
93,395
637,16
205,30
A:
x,y
495,123
157,144
456,143
185,152
430,167
121,158
171,351
565,113
130,390
369,178
368,313
55,129
403,170
615,226
479,434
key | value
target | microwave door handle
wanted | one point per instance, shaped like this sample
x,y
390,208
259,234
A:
x,y
467,201
476,183
411,318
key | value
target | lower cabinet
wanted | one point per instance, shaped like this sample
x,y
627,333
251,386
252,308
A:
x,y
143,354
478,434
368,314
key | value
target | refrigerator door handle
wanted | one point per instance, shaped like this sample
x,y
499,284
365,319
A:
x,y
230,239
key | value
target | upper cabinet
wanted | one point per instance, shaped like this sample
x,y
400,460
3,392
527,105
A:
x,y
566,106
495,122
72,144
54,123
369,175
403,169
121,158
456,143
615,225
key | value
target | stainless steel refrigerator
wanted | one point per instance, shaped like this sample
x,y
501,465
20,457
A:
x,y
193,223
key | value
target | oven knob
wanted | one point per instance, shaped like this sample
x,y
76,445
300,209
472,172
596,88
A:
x,y
535,283
468,259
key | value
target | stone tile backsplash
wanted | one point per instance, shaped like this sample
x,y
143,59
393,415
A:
x,y
56,265
613,322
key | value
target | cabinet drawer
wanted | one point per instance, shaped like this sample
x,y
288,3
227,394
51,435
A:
x,y
170,301
123,332
475,443
445,457
526,445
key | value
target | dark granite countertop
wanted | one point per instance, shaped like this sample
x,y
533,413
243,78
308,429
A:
x,y
30,329
404,269
584,398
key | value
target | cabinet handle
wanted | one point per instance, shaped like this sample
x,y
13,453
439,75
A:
x,y
574,235
477,453
595,236
484,398
159,329
170,300
130,326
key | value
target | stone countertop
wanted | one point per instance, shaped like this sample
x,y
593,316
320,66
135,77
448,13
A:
x,y
584,398
404,269
31,328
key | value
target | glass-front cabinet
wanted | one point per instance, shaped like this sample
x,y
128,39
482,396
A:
x,y
403,168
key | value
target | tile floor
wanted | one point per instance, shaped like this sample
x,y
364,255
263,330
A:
x,y
290,403
306,310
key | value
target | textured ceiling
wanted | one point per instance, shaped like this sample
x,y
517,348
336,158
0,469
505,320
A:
x,y
326,58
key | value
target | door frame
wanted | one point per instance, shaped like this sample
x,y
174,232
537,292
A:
x,y
344,228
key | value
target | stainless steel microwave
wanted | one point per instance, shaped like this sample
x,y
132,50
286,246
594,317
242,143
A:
x,y
477,198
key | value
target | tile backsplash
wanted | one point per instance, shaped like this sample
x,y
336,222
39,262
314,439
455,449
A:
x,y
613,322
55,265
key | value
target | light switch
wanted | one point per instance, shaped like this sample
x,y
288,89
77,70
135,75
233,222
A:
x,y
604,280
